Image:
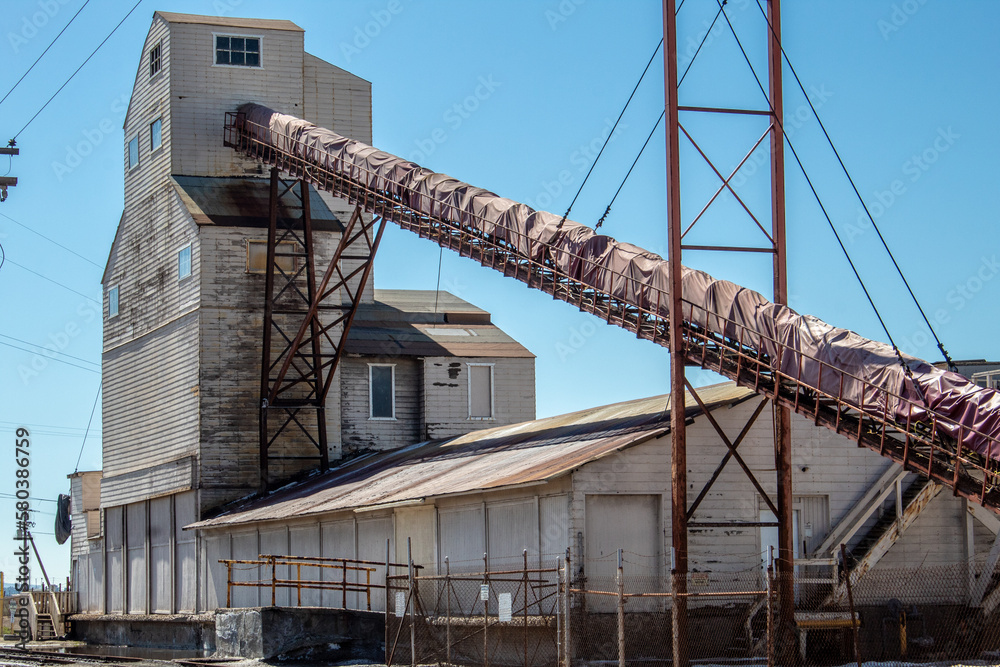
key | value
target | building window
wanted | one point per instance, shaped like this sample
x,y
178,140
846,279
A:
x,y
480,391
113,302
133,152
382,391
155,134
237,51
154,60
184,262
283,256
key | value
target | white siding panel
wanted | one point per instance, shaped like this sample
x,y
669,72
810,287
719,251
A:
x,y
186,555
338,541
373,532
304,541
461,532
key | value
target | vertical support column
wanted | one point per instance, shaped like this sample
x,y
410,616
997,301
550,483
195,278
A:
x,y
314,328
782,415
265,364
678,458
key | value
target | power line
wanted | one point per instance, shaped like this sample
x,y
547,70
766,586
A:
x,y
44,500
46,350
614,127
54,282
61,361
89,422
65,83
819,201
871,218
51,240
634,162
43,52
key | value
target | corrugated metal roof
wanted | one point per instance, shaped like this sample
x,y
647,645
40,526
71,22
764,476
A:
x,y
230,21
244,202
535,451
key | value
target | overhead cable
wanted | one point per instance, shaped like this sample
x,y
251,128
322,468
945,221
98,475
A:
x,y
28,71
871,218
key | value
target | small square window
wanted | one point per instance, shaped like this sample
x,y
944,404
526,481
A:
x,y
155,134
237,51
184,262
154,60
133,152
113,302
382,391
480,391
257,256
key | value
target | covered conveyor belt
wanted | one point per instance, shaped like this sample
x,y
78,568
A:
x,y
933,422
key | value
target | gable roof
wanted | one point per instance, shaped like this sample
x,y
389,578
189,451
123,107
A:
x,y
229,21
530,452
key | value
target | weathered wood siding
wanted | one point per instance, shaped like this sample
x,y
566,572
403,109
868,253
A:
x,y
446,394
201,93
360,432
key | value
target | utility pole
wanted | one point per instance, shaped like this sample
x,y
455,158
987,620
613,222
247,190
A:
x,y
6,181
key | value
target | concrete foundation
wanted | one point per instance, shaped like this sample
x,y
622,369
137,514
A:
x,y
180,632
300,632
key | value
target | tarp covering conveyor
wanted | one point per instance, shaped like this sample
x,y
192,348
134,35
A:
x,y
862,373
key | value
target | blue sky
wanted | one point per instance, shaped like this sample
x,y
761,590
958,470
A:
x,y
515,96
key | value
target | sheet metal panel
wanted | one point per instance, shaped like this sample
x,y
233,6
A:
x,y
216,547
305,542
135,515
338,541
631,523
274,541
372,535
245,547
186,554
114,535
160,527
462,538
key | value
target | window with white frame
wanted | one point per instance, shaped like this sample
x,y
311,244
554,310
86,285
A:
x,y
154,59
113,302
237,50
155,134
184,262
133,152
381,391
480,391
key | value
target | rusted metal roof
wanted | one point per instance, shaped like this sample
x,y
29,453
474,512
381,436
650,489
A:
x,y
244,202
530,452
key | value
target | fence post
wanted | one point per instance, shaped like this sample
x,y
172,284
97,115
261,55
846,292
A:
x,y
343,585
770,608
274,574
413,624
447,592
525,608
486,609
559,613
229,586
298,584
850,600
387,596
621,611
567,605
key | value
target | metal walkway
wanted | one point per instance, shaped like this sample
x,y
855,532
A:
x,y
923,446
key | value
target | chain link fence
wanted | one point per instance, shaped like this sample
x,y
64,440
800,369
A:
x,y
508,613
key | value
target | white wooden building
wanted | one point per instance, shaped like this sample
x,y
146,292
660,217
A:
x,y
183,304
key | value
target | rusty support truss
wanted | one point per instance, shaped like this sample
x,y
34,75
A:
x,y
305,323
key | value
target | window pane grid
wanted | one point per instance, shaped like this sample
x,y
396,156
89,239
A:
x,y
238,51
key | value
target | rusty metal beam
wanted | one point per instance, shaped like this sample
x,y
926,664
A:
x,y
732,453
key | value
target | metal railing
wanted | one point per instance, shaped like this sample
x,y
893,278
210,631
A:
x,y
924,441
341,566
